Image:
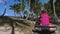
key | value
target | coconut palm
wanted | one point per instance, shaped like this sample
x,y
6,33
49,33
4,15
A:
x,y
55,10
17,9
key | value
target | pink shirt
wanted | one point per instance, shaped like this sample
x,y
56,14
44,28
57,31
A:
x,y
44,19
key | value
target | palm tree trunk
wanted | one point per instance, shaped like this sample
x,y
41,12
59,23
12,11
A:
x,y
4,12
55,15
4,8
12,25
21,7
28,9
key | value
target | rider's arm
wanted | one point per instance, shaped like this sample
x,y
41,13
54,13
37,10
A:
x,y
39,16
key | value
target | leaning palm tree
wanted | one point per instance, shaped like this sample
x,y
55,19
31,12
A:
x,y
5,3
52,7
17,9
56,17
28,11
12,25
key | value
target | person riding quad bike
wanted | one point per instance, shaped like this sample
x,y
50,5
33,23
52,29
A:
x,y
44,18
45,26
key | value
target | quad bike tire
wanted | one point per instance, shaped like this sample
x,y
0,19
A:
x,y
53,33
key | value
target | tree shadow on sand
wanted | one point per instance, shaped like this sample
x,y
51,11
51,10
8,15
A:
x,y
11,22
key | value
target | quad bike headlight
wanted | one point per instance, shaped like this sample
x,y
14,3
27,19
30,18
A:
x,y
39,29
36,28
53,29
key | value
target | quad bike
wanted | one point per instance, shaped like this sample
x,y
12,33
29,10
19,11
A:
x,y
45,29
50,29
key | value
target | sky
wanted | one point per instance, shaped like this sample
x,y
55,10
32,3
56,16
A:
x,y
8,11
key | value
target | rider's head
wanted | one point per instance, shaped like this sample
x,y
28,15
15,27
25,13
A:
x,y
44,11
